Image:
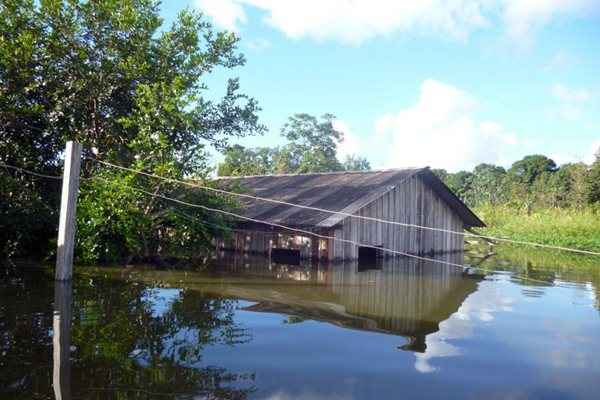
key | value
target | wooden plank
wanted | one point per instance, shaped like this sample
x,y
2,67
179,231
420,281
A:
x,y
68,210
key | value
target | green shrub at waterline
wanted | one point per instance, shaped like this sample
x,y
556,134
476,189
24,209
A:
x,y
577,228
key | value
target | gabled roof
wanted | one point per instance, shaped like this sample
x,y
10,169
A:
x,y
336,191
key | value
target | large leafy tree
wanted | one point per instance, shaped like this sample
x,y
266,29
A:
x,y
311,146
356,163
488,184
111,76
528,169
240,161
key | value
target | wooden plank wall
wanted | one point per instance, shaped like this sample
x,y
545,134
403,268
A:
x,y
260,242
412,202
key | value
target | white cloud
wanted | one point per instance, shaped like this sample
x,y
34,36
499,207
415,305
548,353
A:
x,y
353,21
560,60
441,130
571,100
593,151
258,45
350,144
570,95
524,16
225,13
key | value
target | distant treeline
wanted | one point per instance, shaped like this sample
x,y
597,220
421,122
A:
x,y
534,181
535,200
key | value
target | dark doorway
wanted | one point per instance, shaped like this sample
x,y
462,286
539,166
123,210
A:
x,y
368,257
285,256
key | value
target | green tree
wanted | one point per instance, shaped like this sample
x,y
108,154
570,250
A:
x,y
241,161
488,184
577,175
528,169
593,181
441,173
461,183
356,163
312,145
109,75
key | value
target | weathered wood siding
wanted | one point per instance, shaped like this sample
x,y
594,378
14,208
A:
x,y
412,202
261,242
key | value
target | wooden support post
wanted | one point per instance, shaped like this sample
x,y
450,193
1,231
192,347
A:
x,y
314,248
68,205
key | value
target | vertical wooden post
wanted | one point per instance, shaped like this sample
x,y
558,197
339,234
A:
x,y
68,205
314,248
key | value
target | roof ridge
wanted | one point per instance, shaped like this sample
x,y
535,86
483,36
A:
x,y
325,173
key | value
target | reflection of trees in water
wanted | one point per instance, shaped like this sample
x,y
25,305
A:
x,y
25,336
120,343
536,269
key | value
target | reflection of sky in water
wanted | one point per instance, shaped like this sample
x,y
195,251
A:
x,y
542,339
545,346
479,308
161,299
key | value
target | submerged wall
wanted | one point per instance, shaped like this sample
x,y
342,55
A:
x,y
413,202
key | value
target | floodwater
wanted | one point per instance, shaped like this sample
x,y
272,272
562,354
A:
x,y
524,327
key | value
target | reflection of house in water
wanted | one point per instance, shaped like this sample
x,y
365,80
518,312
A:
x,y
400,296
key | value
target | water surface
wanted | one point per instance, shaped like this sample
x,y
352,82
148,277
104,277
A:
x,y
242,328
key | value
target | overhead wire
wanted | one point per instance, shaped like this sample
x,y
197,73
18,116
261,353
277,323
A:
x,y
281,226
349,215
30,172
318,235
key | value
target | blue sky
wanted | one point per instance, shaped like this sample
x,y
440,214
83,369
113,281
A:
x,y
444,83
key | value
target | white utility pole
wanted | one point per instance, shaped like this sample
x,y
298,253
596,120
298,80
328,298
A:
x,y
68,206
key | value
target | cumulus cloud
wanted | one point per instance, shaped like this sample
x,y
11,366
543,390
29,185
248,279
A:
x,y
570,100
441,130
594,152
524,16
354,21
350,144
227,14
258,45
567,94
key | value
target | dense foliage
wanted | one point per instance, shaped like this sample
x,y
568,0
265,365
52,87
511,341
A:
x,y
535,200
311,147
533,182
111,76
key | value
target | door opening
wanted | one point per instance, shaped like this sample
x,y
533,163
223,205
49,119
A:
x,y
285,256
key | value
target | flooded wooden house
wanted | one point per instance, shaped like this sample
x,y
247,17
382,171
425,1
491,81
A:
x,y
416,197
